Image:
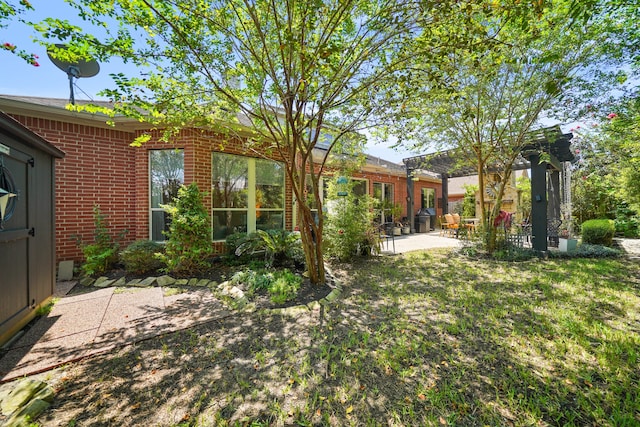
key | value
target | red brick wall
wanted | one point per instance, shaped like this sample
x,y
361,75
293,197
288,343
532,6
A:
x,y
101,168
198,146
399,186
98,169
400,189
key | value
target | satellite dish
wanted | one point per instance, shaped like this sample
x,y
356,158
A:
x,y
81,68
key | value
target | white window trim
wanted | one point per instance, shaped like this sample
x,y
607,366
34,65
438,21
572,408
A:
x,y
251,197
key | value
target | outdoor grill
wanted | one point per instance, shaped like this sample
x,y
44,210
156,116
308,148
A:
x,y
422,221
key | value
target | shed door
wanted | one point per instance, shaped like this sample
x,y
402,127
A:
x,y
15,233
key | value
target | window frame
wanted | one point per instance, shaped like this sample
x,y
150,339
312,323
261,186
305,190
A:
x,y
384,196
153,209
250,209
424,196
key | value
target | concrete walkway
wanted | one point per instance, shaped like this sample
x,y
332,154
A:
x,y
418,241
100,320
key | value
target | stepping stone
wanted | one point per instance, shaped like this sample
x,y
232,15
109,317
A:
x,y
21,394
202,283
148,281
120,282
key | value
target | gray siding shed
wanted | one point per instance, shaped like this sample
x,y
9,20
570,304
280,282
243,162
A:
x,y
27,224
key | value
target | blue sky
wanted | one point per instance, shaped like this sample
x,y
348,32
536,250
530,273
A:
x,y
19,78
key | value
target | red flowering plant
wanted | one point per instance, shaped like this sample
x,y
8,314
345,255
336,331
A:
x,y
8,11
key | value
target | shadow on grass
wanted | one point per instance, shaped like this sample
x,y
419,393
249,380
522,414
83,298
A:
x,y
429,338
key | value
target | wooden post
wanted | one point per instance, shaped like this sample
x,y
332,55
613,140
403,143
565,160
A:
x,y
538,203
445,193
410,215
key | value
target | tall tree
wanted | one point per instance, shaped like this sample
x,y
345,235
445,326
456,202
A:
x,y
290,68
298,72
609,167
487,100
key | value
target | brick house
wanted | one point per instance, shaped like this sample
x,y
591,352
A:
x,y
244,189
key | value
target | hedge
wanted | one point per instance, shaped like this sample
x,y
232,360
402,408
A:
x,y
598,232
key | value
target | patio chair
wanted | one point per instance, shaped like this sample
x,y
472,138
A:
x,y
452,225
385,234
444,225
470,225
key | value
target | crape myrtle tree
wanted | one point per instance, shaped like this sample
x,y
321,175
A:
x,y
288,73
484,102
611,151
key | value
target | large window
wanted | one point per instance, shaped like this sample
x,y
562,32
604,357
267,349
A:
x,y
428,198
247,194
383,193
166,171
269,199
360,187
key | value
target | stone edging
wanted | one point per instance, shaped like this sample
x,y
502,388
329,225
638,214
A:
x,y
225,290
24,401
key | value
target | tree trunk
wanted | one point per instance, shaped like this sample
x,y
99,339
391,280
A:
x,y
488,231
311,234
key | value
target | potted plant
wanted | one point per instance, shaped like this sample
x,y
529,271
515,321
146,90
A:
x,y
397,225
565,242
406,227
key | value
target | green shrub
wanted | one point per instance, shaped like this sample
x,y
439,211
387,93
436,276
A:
x,y
284,287
254,280
189,244
627,221
140,256
261,282
278,246
598,232
232,241
628,227
101,255
98,259
348,228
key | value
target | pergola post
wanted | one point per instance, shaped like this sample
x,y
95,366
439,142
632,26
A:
x,y
553,206
538,203
445,193
410,201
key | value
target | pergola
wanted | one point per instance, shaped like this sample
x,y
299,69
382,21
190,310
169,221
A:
x,y
545,154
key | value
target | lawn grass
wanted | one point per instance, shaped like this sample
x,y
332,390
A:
x,y
426,338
